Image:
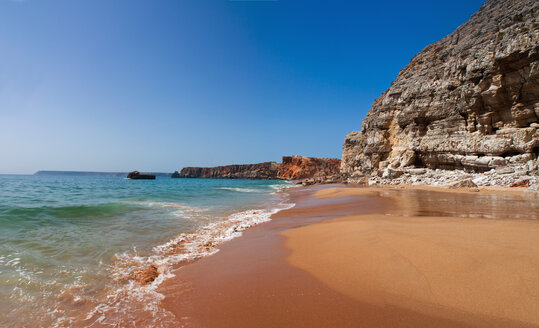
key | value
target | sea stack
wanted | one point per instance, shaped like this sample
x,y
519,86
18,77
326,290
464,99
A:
x,y
468,103
176,174
136,175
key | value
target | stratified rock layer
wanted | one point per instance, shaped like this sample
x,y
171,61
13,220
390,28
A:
x,y
301,167
468,102
292,168
267,170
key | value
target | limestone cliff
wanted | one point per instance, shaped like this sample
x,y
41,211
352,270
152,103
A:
x,y
301,167
469,101
267,170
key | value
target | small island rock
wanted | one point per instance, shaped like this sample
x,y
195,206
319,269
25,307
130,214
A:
x,y
136,175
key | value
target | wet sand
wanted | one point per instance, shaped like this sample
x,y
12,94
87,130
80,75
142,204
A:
x,y
372,257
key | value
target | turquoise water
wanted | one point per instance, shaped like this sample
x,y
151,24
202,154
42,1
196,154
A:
x,y
70,246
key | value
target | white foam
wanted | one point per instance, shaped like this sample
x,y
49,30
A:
x,y
132,297
240,189
283,185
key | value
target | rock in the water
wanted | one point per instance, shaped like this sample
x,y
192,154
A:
x,y
176,174
147,275
468,102
136,175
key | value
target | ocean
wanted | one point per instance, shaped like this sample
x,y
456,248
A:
x,y
73,246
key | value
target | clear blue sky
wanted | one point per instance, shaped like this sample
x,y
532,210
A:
x,y
155,85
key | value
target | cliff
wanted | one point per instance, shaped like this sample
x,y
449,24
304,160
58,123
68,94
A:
x,y
301,167
267,170
292,168
468,102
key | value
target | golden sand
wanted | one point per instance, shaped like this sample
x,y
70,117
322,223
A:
x,y
469,265
373,257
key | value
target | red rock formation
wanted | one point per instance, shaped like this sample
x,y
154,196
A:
x,y
522,183
292,168
301,167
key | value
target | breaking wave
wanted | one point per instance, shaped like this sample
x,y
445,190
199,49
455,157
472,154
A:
x,y
240,189
133,296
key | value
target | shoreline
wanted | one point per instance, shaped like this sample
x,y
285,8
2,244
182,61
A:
x,y
137,298
266,277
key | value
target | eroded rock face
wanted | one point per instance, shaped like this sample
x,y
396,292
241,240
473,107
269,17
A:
x,y
292,168
267,170
301,167
469,101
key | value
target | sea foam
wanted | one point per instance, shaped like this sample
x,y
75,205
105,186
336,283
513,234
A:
x,y
127,301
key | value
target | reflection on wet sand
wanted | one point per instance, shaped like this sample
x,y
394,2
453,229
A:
x,y
373,257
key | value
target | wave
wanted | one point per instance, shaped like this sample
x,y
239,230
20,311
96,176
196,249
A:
x,y
240,189
133,297
89,211
275,187
77,211
284,185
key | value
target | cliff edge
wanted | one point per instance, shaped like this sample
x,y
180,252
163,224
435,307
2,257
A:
x,y
301,167
469,102
291,168
267,170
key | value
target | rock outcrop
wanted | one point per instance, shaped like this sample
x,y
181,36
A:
x,y
301,167
267,170
292,168
136,175
469,102
176,174
147,275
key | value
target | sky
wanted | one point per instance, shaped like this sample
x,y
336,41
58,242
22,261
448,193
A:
x,y
156,85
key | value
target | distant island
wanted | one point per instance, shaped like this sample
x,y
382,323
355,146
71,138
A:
x,y
98,174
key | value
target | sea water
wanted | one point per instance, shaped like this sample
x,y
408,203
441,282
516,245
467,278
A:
x,y
71,247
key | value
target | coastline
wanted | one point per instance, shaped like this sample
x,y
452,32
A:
x,y
303,267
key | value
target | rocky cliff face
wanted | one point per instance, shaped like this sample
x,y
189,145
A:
x,y
468,102
292,168
301,167
267,170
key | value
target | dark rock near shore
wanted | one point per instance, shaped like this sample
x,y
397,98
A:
x,y
136,175
176,174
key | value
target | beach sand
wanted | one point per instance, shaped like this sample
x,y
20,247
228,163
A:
x,y
373,257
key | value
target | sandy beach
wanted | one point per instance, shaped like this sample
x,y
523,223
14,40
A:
x,y
373,257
